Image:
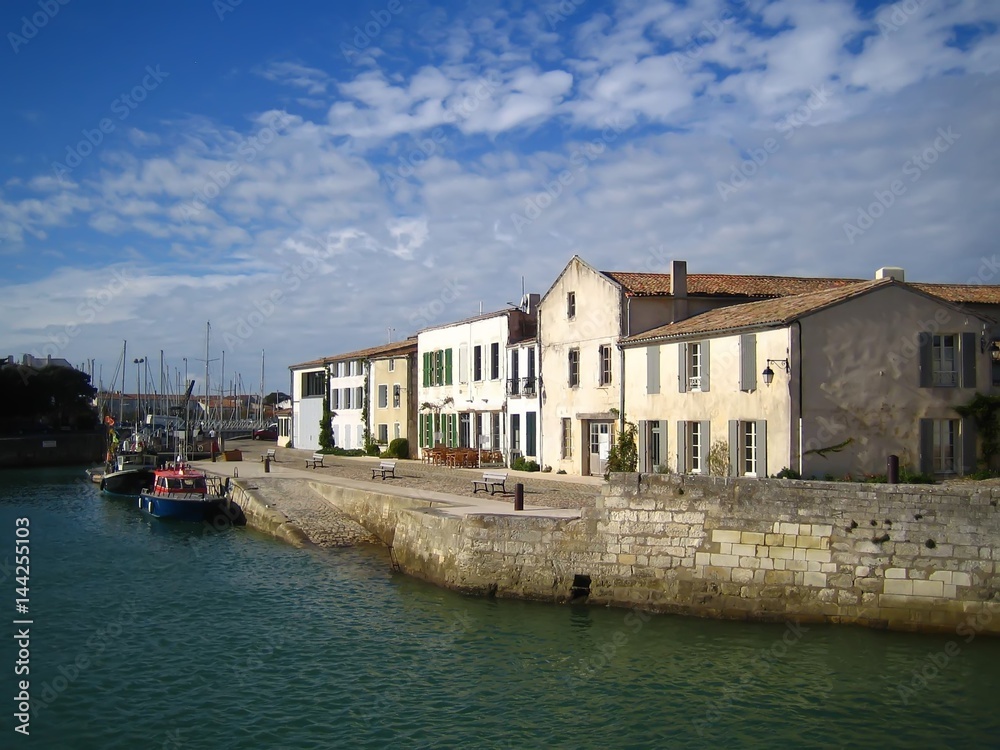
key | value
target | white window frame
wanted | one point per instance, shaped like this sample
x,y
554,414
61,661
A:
x,y
945,437
748,448
694,448
567,437
383,433
694,366
383,397
944,360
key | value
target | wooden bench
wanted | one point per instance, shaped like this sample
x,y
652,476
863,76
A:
x,y
315,460
492,481
385,468
269,454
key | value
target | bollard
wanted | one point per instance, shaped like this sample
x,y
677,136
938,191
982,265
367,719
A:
x,y
518,496
267,464
892,472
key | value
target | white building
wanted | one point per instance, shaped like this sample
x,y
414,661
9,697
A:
x,y
308,387
524,393
463,379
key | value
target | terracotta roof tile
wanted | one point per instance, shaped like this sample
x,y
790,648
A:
x,y
958,293
727,285
776,312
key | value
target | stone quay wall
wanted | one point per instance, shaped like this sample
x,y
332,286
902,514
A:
x,y
908,557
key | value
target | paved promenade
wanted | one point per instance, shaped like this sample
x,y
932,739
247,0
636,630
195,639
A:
x,y
285,488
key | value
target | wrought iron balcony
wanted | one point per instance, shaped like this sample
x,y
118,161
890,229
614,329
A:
x,y
513,387
529,386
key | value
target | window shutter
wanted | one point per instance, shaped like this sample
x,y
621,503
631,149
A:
x,y
454,430
643,454
359,393
463,363
447,366
734,448
426,369
664,444
706,368
926,446
762,448
420,430
682,361
969,352
748,362
706,444
530,429
600,350
682,463
925,343
969,456
652,369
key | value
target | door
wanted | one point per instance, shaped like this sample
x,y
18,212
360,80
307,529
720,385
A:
x,y
600,446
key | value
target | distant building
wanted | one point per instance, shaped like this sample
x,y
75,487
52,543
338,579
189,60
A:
x,y
37,363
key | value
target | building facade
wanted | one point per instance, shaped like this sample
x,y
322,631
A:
x,y
393,391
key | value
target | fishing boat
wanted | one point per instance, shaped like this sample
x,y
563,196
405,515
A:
x,y
180,492
130,474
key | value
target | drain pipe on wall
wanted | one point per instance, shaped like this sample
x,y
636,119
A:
x,y
798,357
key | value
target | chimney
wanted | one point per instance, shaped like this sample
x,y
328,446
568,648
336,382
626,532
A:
x,y
679,289
891,272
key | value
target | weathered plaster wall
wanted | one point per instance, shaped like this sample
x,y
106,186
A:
x,y
744,548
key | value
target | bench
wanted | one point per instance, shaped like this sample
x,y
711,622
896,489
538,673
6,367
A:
x,y
491,481
315,460
269,454
385,468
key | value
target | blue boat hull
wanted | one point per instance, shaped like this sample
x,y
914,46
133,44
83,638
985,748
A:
x,y
195,509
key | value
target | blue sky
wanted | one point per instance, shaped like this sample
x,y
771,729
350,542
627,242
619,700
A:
x,y
308,176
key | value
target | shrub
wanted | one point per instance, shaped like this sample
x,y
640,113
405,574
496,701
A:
x,y
561,471
342,451
624,454
531,466
518,464
399,448
373,449
787,473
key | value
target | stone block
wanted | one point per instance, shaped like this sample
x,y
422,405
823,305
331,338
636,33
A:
x,y
782,577
801,565
895,573
748,550
862,570
841,581
772,539
828,567
819,555
815,579
702,558
766,563
790,540
896,587
945,576
725,548
961,579
788,528
626,559
725,561
822,529
722,535
742,576
928,588
779,564
781,553
799,554
718,574
809,542
950,591
750,563
751,537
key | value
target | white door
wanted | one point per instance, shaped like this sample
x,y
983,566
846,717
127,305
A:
x,y
600,446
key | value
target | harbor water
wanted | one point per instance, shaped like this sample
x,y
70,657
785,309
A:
x,y
150,634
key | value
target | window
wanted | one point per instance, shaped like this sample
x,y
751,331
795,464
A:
x,y
652,438
341,369
574,368
463,363
313,384
477,363
943,360
531,361
604,355
395,430
748,448
359,398
695,447
570,305
749,445
392,364
383,433
495,431
530,428
693,441
567,437
692,366
395,396
943,432
335,399
383,396
348,392
494,361
515,432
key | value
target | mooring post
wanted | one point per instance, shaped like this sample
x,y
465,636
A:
x,y
267,464
518,496
892,471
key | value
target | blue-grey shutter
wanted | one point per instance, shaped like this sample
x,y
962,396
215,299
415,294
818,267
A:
x,y
969,456
762,448
706,364
748,362
706,445
682,465
925,345
644,467
926,446
969,353
652,369
682,360
734,448
664,444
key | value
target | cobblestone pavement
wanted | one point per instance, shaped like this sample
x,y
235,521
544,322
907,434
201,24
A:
x,y
542,493
319,519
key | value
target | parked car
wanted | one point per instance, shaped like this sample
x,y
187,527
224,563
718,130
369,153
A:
x,y
266,433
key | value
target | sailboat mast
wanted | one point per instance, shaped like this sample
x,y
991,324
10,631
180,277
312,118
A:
x,y
121,401
208,393
262,386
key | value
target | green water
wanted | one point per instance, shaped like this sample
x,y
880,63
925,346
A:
x,y
231,640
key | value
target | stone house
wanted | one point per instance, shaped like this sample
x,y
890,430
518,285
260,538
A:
x,y
827,382
393,394
524,400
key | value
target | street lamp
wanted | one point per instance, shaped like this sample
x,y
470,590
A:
x,y
138,391
769,373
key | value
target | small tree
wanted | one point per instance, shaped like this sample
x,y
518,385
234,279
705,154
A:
x,y
718,459
325,429
624,454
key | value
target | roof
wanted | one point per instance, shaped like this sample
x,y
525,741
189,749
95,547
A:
x,y
988,294
397,347
724,285
475,318
774,312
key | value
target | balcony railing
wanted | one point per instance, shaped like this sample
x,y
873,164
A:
x,y
694,383
513,387
528,386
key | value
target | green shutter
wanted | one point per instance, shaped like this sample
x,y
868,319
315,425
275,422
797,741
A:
x,y
427,370
420,420
447,366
